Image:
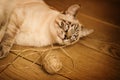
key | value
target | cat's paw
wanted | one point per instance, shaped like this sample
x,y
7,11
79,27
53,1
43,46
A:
x,y
2,53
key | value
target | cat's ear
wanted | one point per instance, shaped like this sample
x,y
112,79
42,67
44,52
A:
x,y
72,10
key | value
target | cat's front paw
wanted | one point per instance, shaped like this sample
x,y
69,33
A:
x,y
3,54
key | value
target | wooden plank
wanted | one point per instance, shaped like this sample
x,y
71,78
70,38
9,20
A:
x,y
92,65
89,64
105,37
109,49
4,63
17,71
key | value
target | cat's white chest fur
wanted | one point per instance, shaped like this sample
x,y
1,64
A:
x,y
35,29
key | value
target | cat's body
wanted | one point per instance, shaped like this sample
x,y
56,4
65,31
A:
x,y
34,23
37,28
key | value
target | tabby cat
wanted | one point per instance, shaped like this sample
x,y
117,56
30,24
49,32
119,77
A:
x,y
34,23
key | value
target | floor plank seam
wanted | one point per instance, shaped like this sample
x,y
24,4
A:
x,y
9,64
27,59
39,65
116,58
98,20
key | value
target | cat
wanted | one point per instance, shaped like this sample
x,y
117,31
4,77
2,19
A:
x,y
34,23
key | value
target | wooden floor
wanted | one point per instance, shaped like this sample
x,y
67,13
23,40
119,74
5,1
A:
x,y
96,57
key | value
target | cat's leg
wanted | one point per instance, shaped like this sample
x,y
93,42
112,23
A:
x,y
9,36
8,41
2,30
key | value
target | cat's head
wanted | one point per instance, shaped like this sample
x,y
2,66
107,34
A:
x,y
69,29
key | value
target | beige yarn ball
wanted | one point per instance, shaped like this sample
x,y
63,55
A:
x,y
51,63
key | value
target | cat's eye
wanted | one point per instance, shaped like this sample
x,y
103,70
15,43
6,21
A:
x,y
73,25
69,23
63,21
62,24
